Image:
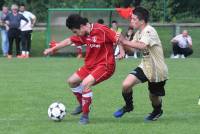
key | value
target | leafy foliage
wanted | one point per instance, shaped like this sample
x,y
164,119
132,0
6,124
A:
x,y
161,10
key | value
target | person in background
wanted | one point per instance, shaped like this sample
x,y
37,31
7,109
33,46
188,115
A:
x,y
26,30
4,32
182,45
100,21
129,36
13,21
115,27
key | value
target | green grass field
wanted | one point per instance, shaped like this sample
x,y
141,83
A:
x,y
29,86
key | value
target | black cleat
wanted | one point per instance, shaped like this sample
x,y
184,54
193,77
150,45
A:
x,y
155,115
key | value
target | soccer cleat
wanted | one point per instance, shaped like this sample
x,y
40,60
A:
x,y
84,120
77,110
176,56
120,112
154,116
182,56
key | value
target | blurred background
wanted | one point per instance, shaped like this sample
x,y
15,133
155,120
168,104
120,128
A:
x,y
169,17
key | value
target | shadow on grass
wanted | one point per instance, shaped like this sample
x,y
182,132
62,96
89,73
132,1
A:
x,y
107,120
136,119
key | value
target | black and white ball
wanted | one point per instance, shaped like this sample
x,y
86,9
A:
x,y
57,111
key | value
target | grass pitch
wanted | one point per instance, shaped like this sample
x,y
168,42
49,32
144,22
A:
x,y
29,86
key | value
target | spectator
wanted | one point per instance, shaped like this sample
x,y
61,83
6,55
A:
x,y
129,36
13,21
100,21
4,32
182,45
116,28
26,30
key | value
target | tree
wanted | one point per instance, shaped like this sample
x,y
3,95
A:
x,y
181,6
184,10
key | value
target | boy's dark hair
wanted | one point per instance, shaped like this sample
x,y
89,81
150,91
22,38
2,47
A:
x,y
86,20
100,21
141,13
22,4
75,21
114,21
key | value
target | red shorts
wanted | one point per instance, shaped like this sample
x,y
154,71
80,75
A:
x,y
100,72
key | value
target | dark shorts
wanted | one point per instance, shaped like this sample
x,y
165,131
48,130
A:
x,y
155,88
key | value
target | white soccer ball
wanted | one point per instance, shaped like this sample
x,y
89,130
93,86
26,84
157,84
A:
x,y
57,111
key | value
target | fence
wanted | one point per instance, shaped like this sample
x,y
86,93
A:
x,y
56,28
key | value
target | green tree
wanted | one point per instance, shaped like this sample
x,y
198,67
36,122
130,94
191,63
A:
x,y
184,10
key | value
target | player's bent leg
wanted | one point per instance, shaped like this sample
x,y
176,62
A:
x,y
157,108
86,98
74,82
156,91
127,85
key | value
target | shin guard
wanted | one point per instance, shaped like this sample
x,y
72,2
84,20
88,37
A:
x,y
86,101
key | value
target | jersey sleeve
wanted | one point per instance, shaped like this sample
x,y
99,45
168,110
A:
x,y
189,40
110,34
177,38
6,18
23,18
77,40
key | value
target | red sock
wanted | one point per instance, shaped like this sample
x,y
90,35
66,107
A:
x,y
78,97
86,101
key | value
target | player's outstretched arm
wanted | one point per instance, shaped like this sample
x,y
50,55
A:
x,y
133,44
58,46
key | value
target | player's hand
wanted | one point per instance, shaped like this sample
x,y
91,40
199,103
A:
x,y
48,51
118,34
174,41
32,25
52,49
120,57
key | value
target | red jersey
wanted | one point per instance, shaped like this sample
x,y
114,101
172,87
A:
x,y
99,45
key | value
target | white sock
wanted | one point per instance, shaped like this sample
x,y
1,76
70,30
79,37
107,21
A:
x,y
77,89
23,52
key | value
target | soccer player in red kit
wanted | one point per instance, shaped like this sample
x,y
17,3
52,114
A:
x,y
99,60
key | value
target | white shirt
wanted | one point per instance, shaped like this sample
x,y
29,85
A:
x,y
28,15
183,42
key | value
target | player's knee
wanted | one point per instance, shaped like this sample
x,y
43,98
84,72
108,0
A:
x,y
126,86
71,82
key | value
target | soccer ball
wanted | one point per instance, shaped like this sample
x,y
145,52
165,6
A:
x,y
56,111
